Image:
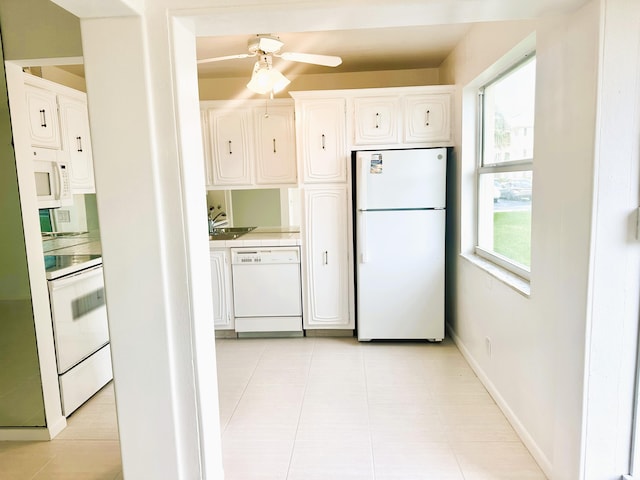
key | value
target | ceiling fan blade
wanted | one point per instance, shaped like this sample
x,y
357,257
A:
x,y
325,60
228,57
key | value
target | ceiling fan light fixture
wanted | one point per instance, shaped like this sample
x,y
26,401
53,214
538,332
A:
x,y
266,80
268,43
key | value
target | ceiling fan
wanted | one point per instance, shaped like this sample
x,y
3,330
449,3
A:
x,y
265,78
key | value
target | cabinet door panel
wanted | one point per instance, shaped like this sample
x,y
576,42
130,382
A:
x,y
376,120
323,141
327,259
231,147
76,143
427,118
220,286
275,146
43,117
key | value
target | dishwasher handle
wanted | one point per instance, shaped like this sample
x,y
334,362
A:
x,y
265,256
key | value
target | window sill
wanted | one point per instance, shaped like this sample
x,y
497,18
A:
x,y
512,280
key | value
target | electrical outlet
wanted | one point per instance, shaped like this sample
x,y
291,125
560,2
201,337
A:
x,y
487,346
63,216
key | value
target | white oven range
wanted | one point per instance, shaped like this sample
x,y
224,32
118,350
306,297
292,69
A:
x,y
80,329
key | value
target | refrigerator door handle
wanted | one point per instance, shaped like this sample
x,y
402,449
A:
x,y
362,181
362,237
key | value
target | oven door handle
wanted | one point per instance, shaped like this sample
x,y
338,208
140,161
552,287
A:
x,y
73,277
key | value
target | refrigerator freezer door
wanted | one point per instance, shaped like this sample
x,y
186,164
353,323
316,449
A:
x,y
400,285
394,179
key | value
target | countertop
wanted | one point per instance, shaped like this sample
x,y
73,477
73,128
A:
x,y
263,237
79,244
70,253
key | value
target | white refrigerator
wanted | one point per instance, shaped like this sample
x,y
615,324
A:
x,y
400,239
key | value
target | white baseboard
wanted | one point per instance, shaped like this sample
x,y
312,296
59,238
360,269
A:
x,y
56,427
522,432
24,434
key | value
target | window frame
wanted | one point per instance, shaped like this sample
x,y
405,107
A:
x,y
508,166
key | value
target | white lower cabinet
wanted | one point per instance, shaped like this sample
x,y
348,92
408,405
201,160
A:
x,y
221,289
326,264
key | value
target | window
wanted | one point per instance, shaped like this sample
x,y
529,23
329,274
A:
x,y
505,168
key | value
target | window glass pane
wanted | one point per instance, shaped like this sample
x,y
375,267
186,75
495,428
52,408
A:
x,y
504,215
508,110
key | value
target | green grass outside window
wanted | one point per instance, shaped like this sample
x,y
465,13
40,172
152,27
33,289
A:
x,y
512,235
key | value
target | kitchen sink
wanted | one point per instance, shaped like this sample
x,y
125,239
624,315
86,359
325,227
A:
x,y
229,233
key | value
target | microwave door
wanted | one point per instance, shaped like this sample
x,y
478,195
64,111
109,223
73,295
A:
x,y
46,188
43,184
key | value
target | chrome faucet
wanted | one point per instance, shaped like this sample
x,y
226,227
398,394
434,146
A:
x,y
212,218
219,214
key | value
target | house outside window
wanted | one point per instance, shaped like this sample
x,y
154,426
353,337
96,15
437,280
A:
x,y
505,168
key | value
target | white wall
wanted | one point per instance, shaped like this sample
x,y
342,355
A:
x,y
225,88
536,369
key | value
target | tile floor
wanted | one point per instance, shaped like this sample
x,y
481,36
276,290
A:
x,y
88,449
318,408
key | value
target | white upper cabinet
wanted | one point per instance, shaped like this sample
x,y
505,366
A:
x,y
376,120
249,143
43,117
322,140
427,118
59,119
230,146
76,143
380,118
401,117
275,146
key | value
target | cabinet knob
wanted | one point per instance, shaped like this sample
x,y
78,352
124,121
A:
x,y
323,144
377,120
79,143
230,152
426,117
274,145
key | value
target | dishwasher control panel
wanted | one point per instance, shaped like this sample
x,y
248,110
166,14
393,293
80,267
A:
x,y
271,255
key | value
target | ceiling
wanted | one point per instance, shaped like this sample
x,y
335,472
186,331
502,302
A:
x,y
396,43
361,50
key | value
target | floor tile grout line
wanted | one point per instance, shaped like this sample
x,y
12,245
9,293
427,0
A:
x,y
304,394
243,390
366,390
44,466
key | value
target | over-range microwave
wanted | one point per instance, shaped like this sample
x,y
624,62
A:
x,y
52,175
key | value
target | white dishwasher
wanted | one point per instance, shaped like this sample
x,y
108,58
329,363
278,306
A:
x,y
266,289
